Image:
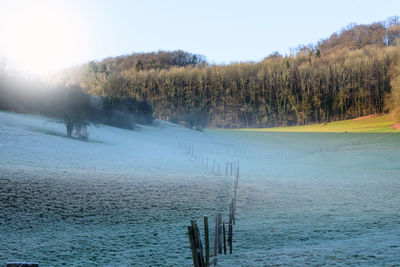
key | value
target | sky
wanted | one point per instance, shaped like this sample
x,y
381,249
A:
x,y
47,35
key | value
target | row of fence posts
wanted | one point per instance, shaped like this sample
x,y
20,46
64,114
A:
x,y
237,152
355,148
231,167
223,238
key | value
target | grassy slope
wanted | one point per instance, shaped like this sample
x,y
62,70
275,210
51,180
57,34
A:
x,y
378,124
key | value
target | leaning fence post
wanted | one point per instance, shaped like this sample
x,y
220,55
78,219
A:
x,y
233,211
197,242
207,240
219,233
224,238
216,236
230,235
193,246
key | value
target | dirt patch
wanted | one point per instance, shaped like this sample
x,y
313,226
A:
x,y
366,117
396,126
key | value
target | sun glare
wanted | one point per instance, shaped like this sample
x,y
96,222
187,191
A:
x,y
40,38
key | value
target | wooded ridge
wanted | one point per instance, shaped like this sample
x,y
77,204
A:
x,y
354,72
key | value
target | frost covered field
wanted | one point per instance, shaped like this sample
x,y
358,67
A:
x,y
125,197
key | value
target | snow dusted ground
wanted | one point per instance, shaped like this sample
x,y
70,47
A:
x,y
125,197
318,199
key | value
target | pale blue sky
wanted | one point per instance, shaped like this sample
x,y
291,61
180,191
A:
x,y
223,31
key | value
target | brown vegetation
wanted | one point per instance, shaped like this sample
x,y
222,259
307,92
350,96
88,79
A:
x,y
348,75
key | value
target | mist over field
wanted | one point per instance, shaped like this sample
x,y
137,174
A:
x,y
125,197
212,133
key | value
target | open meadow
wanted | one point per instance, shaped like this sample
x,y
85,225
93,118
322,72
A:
x,y
125,197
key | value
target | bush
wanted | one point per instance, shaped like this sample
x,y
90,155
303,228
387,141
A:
x,y
126,112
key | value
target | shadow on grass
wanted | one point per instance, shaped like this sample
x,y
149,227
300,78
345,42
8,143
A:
x,y
55,133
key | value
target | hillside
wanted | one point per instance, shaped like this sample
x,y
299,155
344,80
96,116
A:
x,y
126,197
35,143
369,124
348,75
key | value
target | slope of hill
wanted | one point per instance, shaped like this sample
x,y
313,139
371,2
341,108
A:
x,y
368,124
37,143
126,197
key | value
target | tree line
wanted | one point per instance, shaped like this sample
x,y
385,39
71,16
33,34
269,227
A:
x,y
347,75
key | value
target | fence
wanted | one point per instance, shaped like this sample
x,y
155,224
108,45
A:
x,y
223,238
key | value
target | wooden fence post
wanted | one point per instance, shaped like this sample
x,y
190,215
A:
x,y
219,233
216,236
230,236
197,243
207,241
233,211
193,246
224,238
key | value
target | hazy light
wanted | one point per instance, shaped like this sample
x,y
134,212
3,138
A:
x,y
40,37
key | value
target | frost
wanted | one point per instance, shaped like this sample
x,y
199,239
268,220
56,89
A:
x,y
125,197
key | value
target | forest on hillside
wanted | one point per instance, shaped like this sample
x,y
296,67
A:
x,y
354,72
